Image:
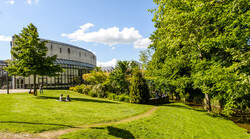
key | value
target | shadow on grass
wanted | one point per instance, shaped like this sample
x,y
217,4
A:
x,y
117,132
120,133
32,123
78,99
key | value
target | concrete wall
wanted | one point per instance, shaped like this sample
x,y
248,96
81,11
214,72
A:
x,y
69,52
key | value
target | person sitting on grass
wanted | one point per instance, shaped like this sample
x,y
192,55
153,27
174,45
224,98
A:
x,y
61,98
68,98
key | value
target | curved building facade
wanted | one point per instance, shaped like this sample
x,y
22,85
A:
x,y
74,60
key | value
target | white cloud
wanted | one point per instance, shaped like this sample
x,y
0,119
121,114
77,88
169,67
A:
x,y
110,63
113,48
109,36
4,38
142,43
32,1
12,2
92,51
29,2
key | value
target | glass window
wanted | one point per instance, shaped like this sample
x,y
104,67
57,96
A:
x,y
60,50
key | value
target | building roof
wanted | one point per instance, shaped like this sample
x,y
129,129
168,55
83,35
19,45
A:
x,y
107,69
72,62
2,63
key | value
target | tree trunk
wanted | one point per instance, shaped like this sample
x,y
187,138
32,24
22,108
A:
x,y
35,93
207,105
7,83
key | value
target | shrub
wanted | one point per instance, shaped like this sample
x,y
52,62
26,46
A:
x,y
86,88
122,97
99,90
111,96
72,89
92,94
139,92
78,89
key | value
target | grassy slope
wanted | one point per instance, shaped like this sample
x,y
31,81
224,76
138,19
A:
x,y
23,112
170,121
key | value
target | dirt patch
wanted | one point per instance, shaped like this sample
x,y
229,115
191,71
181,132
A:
x,y
18,136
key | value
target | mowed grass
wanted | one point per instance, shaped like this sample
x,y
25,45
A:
x,y
169,121
23,112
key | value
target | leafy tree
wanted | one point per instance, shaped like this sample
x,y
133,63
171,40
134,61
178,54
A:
x,y
145,58
205,45
123,66
95,76
29,54
139,91
119,82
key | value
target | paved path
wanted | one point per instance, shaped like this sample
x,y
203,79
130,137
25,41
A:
x,y
4,91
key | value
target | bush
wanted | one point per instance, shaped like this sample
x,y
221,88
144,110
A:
x,y
122,97
92,94
111,96
139,92
78,89
72,89
99,90
86,88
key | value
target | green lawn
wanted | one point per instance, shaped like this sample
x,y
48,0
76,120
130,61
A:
x,y
169,121
23,112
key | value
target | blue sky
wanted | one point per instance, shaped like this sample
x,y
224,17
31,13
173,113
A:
x,y
112,29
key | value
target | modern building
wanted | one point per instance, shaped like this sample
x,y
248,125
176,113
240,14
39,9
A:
x,y
74,60
107,69
4,78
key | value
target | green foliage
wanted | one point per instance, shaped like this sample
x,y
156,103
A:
x,y
115,85
123,66
111,96
145,58
95,76
84,89
99,90
29,54
139,92
119,82
78,89
122,97
202,45
72,89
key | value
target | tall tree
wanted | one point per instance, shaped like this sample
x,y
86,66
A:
x,y
29,56
201,44
139,91
145,58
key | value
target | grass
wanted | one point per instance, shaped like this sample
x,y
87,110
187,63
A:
x,y
23,112
173,120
